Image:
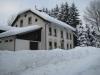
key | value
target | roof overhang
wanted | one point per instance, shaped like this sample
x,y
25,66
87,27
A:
x,y
19,31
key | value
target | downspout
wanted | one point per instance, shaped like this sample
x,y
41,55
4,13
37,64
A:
x,y
14,43
45,37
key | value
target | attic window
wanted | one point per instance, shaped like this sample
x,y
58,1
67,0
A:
x,y
21,23
36,20
30,20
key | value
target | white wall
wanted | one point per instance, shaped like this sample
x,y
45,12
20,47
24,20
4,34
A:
x,y
22,44
6,44
45,38
58,38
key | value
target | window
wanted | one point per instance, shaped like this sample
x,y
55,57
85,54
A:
x,y
36,20
50,45
70,46
70,36
61,34
6,40
10,40
55,44
67,46
16,25
66,35
30,20
50,31
62,44
21,23
55,32
0,41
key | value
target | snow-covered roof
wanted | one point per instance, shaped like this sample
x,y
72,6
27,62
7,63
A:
x,y
19,30
5,27
50,19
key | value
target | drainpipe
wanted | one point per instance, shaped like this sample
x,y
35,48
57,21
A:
x,y
45,37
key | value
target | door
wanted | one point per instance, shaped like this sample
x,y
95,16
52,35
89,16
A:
x,y
34,45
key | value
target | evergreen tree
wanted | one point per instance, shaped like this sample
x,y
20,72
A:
x,y
82,33
73,17
61,13
66,13
86,35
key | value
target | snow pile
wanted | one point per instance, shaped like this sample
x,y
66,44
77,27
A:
x,y
78,61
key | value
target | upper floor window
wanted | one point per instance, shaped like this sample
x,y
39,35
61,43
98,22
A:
x,y
21,23
36,20
66,35
55,32
70,36
50,31
30,20
50,45
61,34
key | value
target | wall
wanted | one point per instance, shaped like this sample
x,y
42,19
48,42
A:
x,y
7,43
39,22
58,38
22,44
45,30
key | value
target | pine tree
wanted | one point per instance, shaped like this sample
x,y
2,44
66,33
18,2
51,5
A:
x,y
73,17
66,13
61,13
83,38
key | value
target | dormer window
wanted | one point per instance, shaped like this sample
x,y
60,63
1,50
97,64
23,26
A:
x,y
21,23
30,20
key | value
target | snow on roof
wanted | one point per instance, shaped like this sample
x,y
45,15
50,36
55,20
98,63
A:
x,y
19,30
5,27
50,19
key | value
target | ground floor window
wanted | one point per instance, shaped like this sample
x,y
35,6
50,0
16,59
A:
x,y
50,45
62,45
33,45
55,44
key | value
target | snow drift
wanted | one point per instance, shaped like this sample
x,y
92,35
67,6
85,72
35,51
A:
x,y
78,61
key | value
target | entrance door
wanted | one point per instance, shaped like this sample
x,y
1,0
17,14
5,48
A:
x,y
34,45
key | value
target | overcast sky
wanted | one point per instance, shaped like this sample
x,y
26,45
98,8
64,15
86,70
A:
x,y
12,7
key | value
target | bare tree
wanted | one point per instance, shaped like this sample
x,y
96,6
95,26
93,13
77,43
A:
x,y
11,19
92,14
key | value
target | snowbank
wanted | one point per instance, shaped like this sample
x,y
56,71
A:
x,y
78,61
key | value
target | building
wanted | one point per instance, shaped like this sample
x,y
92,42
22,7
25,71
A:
x,y
35,30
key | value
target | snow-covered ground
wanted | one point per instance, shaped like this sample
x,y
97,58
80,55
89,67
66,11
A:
x,y
78,61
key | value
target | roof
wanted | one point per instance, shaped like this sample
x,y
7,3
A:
x,y
47,18
5,27
18,31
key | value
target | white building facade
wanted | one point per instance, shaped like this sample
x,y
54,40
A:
x,y
54,33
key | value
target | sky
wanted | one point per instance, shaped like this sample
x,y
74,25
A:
x,y
9,8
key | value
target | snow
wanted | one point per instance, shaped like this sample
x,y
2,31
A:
x,y
19,30
78,61
51,19
5,27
